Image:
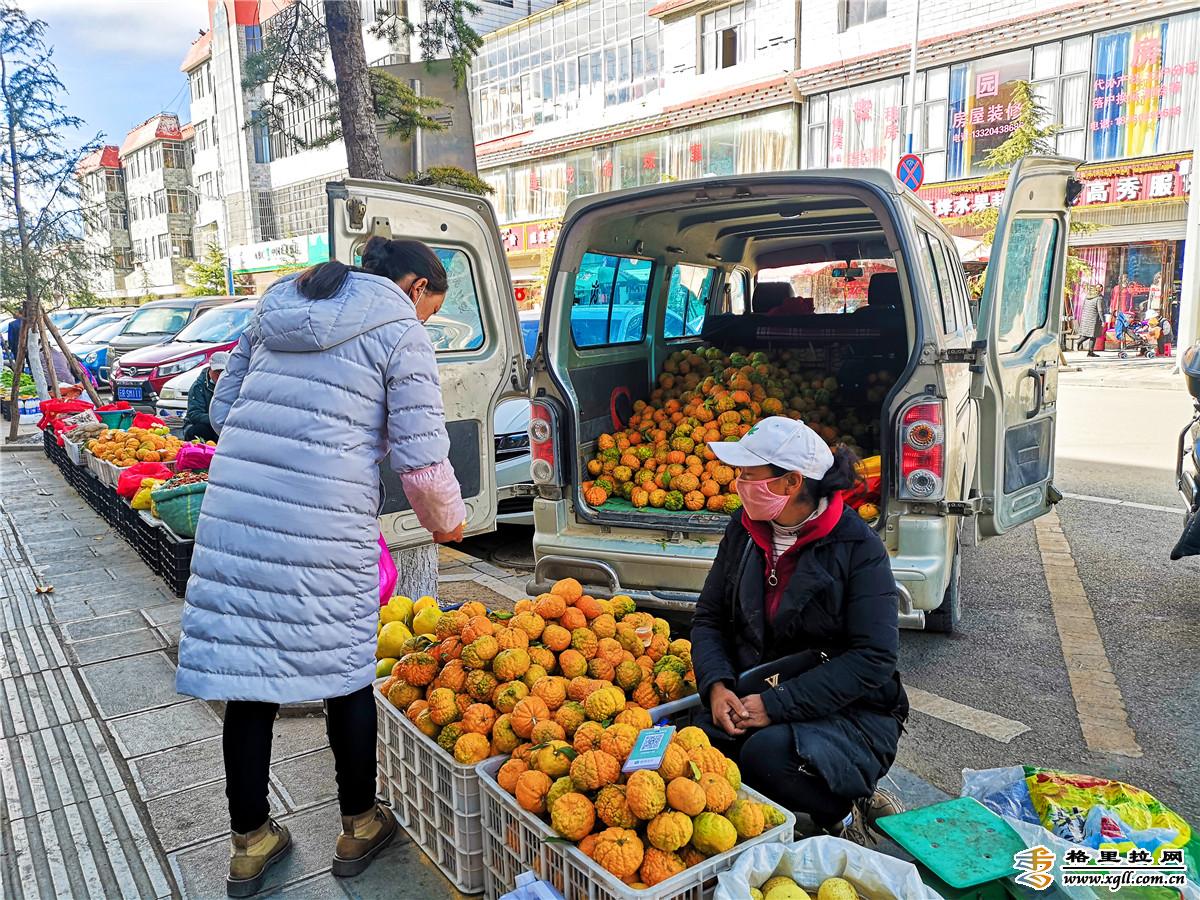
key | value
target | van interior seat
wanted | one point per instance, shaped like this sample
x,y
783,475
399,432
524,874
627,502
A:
x,y
770,295
883,292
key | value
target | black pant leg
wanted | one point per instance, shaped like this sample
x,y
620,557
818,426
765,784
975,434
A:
x,y
351,725
246,745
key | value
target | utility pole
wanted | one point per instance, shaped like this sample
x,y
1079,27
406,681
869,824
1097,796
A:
x,y
910,107
1189,291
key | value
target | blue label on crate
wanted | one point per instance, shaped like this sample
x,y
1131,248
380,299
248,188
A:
x,y
649,748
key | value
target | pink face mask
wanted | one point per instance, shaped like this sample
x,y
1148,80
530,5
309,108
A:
x,y
760,502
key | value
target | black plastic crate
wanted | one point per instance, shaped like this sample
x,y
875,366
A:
x,y
146,541
175,562
48,443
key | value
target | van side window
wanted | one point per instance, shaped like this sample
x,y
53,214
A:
x,y
609,304
941,278
953,279
687,300
959,278
1024,300
458,325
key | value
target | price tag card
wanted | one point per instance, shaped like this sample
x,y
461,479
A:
x,y
649,748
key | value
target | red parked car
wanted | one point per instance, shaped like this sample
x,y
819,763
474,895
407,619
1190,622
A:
x,y
141,374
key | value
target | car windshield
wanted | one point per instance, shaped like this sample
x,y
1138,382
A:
x,y
64,319
529,333
157,320
90,324
106,333
217,327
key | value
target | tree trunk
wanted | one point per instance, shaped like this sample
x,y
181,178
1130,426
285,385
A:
x,y
76,369
33,354
48,355
416,571
343,22
417,568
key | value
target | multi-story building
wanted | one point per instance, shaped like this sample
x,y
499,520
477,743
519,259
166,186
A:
x,y
105,219
595,95
261,193
156,159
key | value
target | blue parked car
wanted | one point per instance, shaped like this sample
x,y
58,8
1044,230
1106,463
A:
x,y
92,349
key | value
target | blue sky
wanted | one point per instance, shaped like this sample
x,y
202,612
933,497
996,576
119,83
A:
x,y
119,59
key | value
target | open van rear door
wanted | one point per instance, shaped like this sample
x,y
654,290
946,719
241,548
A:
x,y
1020,320
476,334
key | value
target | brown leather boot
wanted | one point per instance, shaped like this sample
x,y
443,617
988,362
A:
x,y
252,854
362,838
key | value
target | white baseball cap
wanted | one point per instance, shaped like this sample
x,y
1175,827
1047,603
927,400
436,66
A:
x,y
218,361
778,441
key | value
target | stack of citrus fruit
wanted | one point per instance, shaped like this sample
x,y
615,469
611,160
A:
x,y
646,826
483,684
662,459
125,447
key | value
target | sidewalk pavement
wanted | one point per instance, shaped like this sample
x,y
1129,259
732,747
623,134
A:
x,y
1108,370
110,782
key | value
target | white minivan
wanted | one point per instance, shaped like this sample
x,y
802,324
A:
x,y
965,428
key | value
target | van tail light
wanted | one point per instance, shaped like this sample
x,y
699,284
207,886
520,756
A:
x,y
544,466
922,452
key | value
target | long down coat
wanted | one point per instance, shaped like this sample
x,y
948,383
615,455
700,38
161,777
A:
x,y
282,603
847,714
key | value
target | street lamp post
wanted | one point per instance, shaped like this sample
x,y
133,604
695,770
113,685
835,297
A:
x,y
912,79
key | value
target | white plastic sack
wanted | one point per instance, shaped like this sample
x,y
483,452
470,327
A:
x,y
811,861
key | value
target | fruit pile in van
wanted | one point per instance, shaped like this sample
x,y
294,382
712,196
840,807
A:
x,y
662,459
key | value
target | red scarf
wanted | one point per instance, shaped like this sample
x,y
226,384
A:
x,y
810,532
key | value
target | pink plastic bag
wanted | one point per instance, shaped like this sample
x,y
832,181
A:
x,y
192,456
387,573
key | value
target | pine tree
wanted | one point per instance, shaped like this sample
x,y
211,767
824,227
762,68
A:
x,y
206,277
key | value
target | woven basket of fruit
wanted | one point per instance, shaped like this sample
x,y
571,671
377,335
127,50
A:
x,y
178,501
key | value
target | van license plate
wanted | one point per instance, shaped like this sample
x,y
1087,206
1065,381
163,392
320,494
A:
x,y
129,393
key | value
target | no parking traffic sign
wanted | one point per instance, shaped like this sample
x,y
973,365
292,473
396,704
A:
x,y
910,171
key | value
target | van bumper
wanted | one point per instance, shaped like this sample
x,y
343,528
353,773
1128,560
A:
x,y
667,576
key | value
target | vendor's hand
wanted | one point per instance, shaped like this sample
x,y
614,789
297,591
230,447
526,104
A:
x,y
727,710
756,713
448,537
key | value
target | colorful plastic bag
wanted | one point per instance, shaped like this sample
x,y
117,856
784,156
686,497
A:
x,y
179,506
145,420
387,573
194,456
141,500
129,482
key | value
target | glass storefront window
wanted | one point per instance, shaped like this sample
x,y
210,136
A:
x,y
981,111
1144,80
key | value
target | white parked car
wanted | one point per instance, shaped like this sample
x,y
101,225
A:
x,y
172,399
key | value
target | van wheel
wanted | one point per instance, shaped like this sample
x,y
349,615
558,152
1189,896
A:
x,y
944,619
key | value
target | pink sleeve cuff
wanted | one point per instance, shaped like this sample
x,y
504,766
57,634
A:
x,y
435,498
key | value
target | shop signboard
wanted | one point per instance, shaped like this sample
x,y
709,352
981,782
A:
x,y
267,256
1105,185
529,237
982,112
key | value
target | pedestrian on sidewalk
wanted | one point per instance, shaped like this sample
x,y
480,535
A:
x,y
1092,316
801,581
334,372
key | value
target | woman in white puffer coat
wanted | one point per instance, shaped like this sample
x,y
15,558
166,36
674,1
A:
x,y
334,373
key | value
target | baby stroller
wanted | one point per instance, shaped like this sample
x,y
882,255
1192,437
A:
x,y
1139,337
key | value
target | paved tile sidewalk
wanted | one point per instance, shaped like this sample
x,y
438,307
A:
x,y
111,783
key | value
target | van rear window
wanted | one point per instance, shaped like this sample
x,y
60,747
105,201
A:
x,y
609,302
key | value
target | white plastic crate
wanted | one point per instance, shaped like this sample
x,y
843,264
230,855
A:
x,y
74,452
434,797
515,841
105,471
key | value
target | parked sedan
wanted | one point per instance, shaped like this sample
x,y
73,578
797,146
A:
x,y
142,374
92,348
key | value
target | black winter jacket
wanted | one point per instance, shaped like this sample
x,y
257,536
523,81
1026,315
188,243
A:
x,y
846,714
196,423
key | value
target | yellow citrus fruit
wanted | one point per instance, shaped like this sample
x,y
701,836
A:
x,y
836,889
423,604
391,639
425,621
384,668
401,608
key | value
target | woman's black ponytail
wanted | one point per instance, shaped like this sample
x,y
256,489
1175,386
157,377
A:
x,y
395,259
322,281
392,259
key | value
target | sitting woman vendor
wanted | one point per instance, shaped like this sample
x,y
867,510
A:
x,y
802,583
